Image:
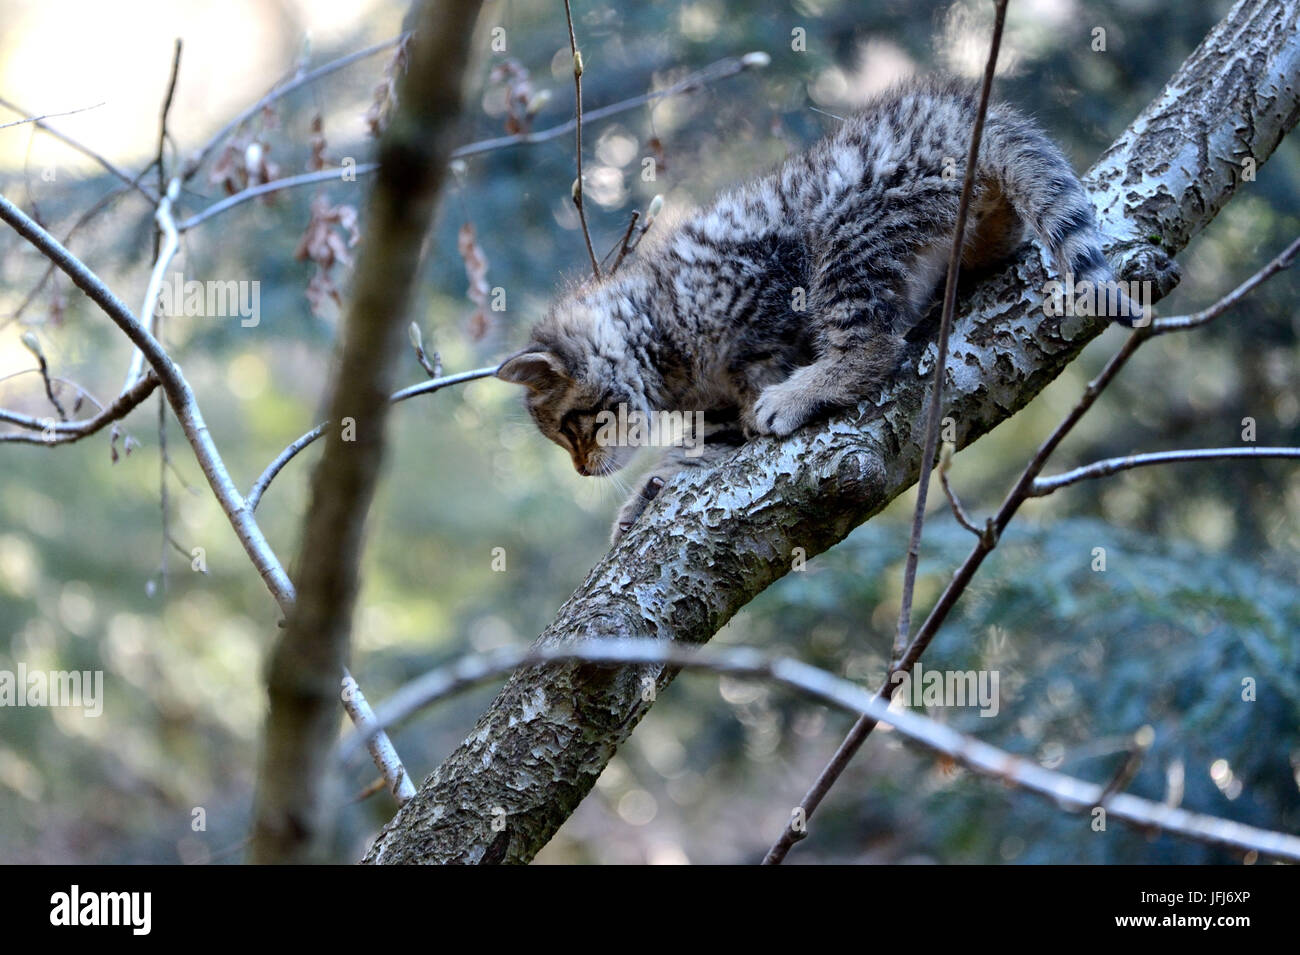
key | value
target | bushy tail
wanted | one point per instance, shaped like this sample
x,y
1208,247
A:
x,y
1043,189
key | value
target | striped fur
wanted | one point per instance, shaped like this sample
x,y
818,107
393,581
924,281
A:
x,y
788,297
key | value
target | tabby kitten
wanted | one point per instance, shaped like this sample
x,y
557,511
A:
x,y
788,298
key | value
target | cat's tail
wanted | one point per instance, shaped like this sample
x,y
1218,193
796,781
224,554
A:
x,y
1041,186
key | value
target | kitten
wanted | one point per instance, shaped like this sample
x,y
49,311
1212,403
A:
x,y
788,298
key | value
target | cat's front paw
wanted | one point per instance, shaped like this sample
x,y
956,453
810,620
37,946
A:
x,y
630,511
783,408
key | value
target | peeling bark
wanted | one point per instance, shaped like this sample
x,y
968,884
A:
x,y
714,539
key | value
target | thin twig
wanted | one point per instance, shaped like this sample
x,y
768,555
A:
x,y
284,457
1128,769
722,69
288,454
37,119
33,345
577,183
275,185
958,511
623,247
83,220
1104,468
81,392
70,431
162,126
164,247
432,366
122,174
1067,791
381,750
945,327
197,160
166,252
1178,323
164,501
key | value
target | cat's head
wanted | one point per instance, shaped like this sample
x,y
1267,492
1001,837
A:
x,y
577,374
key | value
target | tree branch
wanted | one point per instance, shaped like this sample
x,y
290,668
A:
x,y
65,432
817,684
120,173
288,454
301,79
179,395
715,71
1044,486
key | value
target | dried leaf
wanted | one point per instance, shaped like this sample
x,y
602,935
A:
x,y
656,146
522,101
476,266
330,233
316,161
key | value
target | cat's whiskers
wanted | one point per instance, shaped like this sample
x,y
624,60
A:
x,y
610,473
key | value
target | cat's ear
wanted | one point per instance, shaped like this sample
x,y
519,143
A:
x,y
537,370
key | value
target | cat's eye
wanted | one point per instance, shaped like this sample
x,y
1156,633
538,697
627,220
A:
x,y
569,424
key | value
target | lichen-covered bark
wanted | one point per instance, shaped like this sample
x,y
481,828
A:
x,y
714,540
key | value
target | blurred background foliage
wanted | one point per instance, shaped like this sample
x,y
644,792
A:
x,y
1198,591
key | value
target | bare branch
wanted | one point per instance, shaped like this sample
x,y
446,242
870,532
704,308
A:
x,y
858,734
959,512
1067,792
37,119
303,79
288,454
70,431
623,246
720,70
177,389
1021,492
179,395
131,181
945,329
275,185
166,252
33,345
159,158
82,221
1044,486
376,740
577,122
1180,323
